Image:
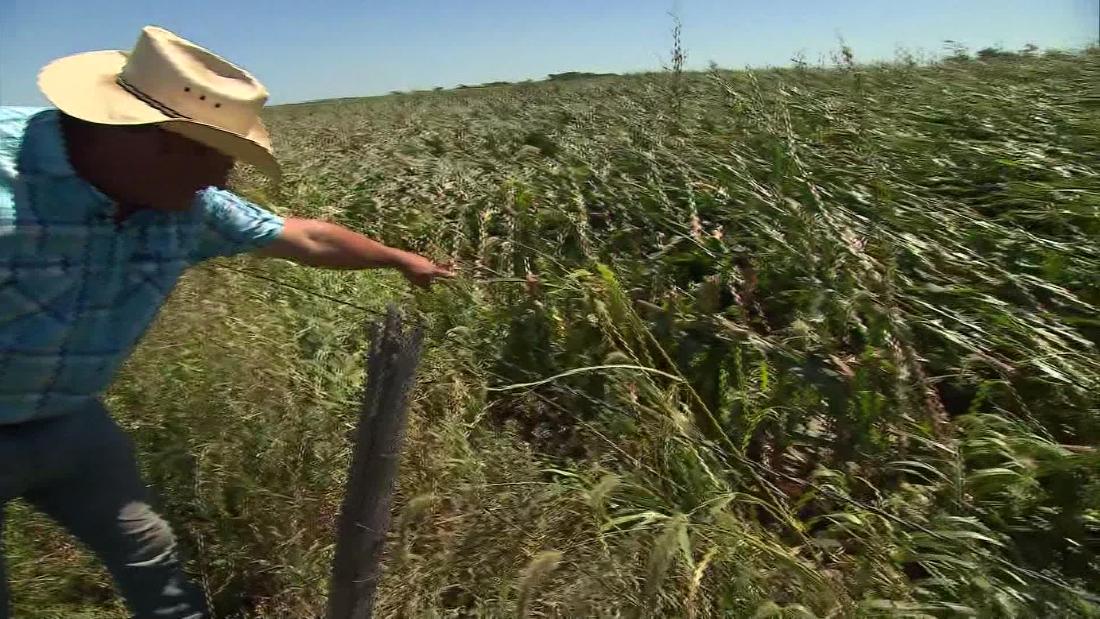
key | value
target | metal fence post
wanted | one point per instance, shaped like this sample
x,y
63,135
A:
x,y
365,514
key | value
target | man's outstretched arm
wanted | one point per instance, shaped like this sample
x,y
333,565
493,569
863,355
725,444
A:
x,y
316,243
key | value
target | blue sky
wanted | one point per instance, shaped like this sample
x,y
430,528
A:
x,y
308,50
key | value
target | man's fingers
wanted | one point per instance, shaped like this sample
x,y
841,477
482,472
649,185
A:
x,y
445,269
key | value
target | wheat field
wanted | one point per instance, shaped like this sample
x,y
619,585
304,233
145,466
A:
x,y
806,342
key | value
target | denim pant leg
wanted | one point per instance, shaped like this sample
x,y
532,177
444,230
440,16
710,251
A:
x,y
101,499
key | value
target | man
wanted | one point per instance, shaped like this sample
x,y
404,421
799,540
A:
x,y
104,202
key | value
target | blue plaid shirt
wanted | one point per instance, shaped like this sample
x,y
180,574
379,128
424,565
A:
x,y
77,289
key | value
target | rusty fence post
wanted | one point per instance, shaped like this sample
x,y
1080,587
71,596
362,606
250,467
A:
x,y
365,514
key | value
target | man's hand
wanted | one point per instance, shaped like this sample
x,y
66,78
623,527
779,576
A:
x,y
422,272
321,244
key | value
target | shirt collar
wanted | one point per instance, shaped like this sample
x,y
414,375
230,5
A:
x,y
44,152
44,145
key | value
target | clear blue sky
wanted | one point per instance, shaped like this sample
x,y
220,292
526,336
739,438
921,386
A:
x,y
330,48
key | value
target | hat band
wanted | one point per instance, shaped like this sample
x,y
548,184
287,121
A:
x,y
150,101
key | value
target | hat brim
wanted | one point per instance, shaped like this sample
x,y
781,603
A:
x,y
85,86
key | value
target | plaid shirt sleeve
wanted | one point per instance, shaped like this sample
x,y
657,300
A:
x,y
231,225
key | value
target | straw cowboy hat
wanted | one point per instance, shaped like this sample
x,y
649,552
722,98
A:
x,y
171,82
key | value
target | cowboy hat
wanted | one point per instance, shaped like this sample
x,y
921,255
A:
x,y
173,83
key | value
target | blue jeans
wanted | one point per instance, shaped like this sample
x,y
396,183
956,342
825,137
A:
x,y
79,469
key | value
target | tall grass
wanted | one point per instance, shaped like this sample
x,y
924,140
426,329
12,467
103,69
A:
x,y
864,299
